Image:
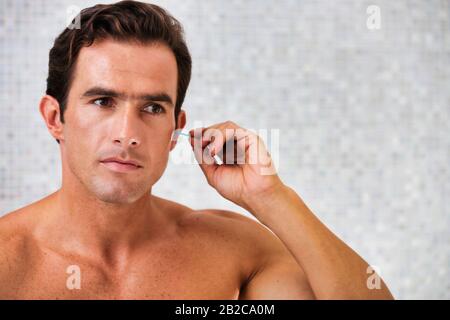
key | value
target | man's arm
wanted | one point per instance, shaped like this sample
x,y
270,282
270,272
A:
x,y
278,276
333,269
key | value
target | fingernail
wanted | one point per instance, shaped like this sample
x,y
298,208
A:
x,y
209,147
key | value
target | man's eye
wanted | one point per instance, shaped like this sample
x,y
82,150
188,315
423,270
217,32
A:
x,y
156,108
103,102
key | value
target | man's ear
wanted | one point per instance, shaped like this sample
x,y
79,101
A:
x,y
181,122
49,108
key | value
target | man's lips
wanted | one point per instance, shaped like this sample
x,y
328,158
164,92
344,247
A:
x,y
119,167
122,161
120,164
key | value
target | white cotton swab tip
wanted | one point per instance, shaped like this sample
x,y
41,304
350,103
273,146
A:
x,y
179,132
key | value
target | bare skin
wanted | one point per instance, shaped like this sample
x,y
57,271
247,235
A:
x,y
203,254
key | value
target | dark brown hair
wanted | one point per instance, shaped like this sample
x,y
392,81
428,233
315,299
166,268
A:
x,y
125,21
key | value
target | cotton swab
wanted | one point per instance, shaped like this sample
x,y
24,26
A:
x,y
179,132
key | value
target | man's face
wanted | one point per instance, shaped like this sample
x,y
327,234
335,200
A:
x,y
109,103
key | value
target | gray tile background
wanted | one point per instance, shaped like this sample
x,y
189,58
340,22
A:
x,y
363,116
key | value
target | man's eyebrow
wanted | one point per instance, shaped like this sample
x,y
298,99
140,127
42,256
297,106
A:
x,y
99,91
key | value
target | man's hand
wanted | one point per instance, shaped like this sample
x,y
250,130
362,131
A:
x,y
247,172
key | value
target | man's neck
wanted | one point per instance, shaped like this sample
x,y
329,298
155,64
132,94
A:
x,y
103,231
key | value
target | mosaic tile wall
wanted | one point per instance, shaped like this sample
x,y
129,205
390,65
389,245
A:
x,y
363,115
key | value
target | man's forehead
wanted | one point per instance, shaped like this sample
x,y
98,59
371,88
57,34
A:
x,y
127,65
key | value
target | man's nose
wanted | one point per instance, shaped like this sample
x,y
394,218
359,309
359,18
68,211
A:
x,y
127,130
127,142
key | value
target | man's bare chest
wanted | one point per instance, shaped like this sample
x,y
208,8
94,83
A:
x,y
170,274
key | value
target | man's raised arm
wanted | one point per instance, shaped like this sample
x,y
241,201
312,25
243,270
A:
x,y
333,269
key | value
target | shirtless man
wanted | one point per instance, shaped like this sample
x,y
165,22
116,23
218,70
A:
x,y
120,99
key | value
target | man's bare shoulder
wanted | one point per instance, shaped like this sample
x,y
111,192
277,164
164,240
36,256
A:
x,y
273,271
246,235
235,223
17,224
14,245
27,213
13,228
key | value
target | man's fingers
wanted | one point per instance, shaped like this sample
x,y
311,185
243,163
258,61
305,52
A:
x,y
232,143
222,133
205,161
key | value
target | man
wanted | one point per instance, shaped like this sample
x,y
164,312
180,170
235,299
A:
x,y
113,102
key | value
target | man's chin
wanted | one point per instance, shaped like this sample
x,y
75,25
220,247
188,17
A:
x,y
117,194
118,198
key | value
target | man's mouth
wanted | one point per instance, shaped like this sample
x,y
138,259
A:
x,y
119,167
